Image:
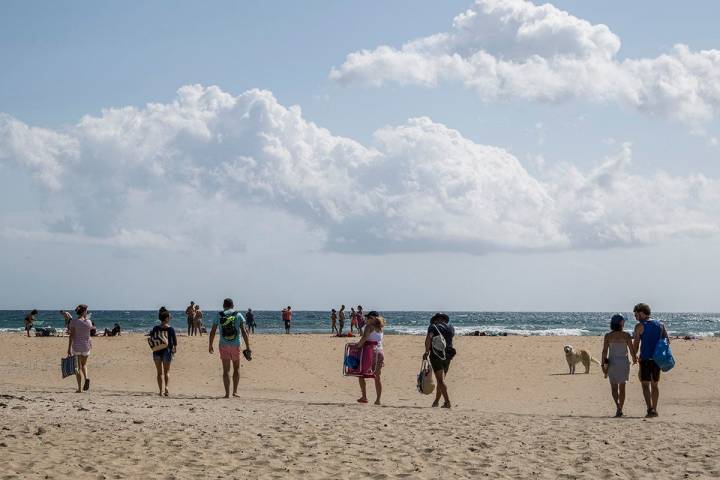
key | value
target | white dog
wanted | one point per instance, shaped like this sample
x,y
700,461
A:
x,y
574,357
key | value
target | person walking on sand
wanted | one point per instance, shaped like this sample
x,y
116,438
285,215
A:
x,y
190,313
647,335
287,318
162,358
250,319
341,319
616,365
333,322
79,344
198,321
29,320
372,338
232,325
439,348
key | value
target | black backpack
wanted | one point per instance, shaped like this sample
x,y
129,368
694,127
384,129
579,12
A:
x,y
228,330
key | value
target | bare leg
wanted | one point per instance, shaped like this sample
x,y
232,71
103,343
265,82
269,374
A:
x,y
226,377
363,390
647,394
158,369
442,387
166,368
621,396
78,377
655,395
236,376
83,368
615,394
378,386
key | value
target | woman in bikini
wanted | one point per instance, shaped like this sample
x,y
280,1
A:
x,y
372,338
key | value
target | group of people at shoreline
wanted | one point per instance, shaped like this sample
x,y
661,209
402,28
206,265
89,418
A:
x,y
232,327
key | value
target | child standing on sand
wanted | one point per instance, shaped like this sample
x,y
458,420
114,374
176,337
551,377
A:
x,y
617,343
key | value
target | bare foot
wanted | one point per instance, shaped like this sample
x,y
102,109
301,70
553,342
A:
x,y
227,395
377,402
362,400
78,391
167,393
446,405
160,394
436,403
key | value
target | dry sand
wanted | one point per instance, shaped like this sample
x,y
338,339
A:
x,y
516,414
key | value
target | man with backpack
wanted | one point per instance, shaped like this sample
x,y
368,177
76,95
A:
x,y
231,325
648,333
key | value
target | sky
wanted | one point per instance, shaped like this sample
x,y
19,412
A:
x,y
422,155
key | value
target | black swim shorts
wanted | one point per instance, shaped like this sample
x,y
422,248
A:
x,y
438,363
649,371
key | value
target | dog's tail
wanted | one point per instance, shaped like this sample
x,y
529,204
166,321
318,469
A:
x,y
594,360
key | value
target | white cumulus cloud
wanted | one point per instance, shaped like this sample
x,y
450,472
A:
x,y
176,175
515,49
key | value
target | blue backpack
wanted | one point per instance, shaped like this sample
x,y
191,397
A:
x,y
663,355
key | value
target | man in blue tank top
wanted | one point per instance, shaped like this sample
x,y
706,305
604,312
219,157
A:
x,y
648,333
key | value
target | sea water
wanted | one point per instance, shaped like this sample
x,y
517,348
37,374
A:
x,y
398,322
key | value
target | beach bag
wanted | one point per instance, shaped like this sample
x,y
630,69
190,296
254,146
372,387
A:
x,y
69,366
663,355
158,340
425,380
228,330
439,344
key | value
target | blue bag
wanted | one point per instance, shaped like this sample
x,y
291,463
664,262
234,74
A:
x,y
663,355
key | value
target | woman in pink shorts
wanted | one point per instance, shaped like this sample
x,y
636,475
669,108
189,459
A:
x,y
372,338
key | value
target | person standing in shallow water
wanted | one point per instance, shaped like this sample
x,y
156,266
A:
x,y
190,313
341,319
29,320
250,319
287,318
616,365
647,335
333,322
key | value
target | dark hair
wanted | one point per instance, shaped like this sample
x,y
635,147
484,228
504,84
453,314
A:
x,y
34,312
333,310
163,314
440,317
642,308
616,322
228,303
289,307
81,309
372,313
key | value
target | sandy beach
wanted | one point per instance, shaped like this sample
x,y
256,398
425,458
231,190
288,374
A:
x,y
516,414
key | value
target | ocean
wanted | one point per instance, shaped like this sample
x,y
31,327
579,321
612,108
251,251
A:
x,y
401,322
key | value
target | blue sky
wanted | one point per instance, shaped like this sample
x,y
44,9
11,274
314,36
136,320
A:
x,y
145,239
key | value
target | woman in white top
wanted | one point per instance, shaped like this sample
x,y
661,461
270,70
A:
x,y
372,338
